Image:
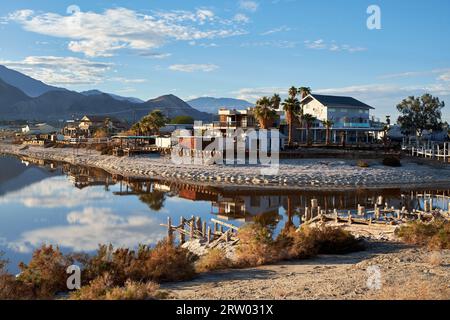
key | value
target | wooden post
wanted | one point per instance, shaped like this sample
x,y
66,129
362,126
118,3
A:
x,y
361,210
204,229
314,205
306,213
350,217
209,235
169,227
182,235
191,232
336,218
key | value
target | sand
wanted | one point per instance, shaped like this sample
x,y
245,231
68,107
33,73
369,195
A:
x,y
404,273
305,174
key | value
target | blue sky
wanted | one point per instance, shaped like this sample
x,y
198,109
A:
x,y
234,48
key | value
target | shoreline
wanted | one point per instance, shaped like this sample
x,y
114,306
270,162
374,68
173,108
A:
x,y
329,277
294,174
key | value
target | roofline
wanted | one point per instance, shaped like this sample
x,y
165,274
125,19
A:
x,y
312,96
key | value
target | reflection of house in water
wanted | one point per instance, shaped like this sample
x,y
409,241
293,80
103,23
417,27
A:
x,y
246,207
82,177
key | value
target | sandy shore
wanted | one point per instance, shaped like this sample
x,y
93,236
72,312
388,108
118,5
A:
x,y
405,273
305,174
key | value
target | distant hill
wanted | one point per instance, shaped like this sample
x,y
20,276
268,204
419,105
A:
x,y
115,96
30,86
63,104
10,95
211,105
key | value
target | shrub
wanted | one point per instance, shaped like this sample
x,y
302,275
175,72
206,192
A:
x,y
165,262
102,288
310,241
332,240
296,244
362,164
256,246
392,161
435,234
169,263
46,272
215,259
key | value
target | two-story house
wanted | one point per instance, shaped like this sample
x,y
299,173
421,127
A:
x,y
350,118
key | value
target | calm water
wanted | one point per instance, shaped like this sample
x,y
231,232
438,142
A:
x,y
78,208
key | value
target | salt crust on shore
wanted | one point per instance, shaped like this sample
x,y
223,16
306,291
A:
x,y
292,174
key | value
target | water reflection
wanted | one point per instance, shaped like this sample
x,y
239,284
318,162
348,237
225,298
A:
x,y
77,208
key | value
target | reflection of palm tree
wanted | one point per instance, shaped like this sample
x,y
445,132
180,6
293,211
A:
x,y
290,213
268,219
154,200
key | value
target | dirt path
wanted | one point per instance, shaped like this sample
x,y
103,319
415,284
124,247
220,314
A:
x,y
406,272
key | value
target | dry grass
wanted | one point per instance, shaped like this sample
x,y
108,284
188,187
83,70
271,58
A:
x,y
215,259
414,289
435,235
46,272
102,288
257,247
435,259
164,262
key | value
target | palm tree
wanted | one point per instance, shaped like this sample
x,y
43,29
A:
x,y
275,100
264,112
304,92
328,124
152,122
293,91
309,121
291,107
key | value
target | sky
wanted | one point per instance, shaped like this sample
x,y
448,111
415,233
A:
x,y
233,48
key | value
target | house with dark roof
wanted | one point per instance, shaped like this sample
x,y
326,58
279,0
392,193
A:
x,y
350,118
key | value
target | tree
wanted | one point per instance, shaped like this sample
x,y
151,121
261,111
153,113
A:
x,y
276,100
151,123
182,120
292,92
421,113
304,92
327,124
291,107
264,112
309,120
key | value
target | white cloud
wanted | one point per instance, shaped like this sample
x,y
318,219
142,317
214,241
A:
x,y
442,74
241,18
248,5
126,80
90,227
100,34
154,55
276,30
193,67
60,70
320,44
49,193
283,44
252,94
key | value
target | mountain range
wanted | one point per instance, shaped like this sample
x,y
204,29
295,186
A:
x,y
211,105
24,98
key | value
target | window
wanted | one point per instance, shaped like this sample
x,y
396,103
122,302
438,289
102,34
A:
x,y
331,110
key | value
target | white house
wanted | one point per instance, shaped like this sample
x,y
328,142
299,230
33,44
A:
x,y
40,128
350,118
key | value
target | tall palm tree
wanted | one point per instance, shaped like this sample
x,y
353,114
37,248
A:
x,y
309,120
291,107
264,112
304,92
293,91
275,100
328,124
